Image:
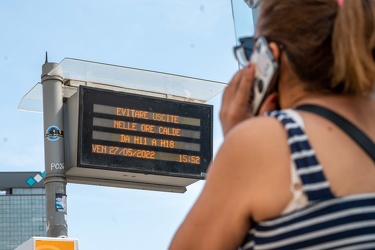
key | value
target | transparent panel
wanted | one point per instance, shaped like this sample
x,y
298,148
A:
x,y
171,86
139,79
33,100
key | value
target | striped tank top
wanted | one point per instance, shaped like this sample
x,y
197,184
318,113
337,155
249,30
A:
x,y
326,222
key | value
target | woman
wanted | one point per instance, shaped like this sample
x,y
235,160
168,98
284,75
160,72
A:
x,y
257,194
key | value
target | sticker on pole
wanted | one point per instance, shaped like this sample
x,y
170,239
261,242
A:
x,y
53,133
61,203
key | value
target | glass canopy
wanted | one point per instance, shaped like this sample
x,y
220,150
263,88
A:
x,y
79,72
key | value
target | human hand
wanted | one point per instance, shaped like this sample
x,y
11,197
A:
x,y
236,98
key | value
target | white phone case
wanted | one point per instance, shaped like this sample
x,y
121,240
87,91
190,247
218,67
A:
x,y
265,70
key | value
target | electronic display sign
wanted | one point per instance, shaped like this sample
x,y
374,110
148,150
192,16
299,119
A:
x,y
136,133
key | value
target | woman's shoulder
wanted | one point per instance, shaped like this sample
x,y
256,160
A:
x,y
255,157
255,142
264,130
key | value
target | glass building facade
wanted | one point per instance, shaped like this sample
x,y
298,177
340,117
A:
x,y
22,208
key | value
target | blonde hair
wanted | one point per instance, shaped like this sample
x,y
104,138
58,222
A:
x,y
354,46
331,47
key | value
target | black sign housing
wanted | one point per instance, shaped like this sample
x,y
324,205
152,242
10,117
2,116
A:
x,y
135,133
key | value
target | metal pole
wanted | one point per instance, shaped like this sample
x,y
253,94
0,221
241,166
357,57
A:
x,y
255,17
55,180
254,5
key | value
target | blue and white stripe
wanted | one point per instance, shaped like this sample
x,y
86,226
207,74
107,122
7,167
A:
x,y
328,222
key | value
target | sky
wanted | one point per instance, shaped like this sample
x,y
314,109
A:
x,y
188,38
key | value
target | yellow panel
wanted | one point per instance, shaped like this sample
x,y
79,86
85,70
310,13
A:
x,y
54,245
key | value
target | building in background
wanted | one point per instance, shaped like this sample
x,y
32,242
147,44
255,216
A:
x,y
22,208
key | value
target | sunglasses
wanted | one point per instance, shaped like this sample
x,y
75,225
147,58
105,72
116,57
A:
x,y
243,51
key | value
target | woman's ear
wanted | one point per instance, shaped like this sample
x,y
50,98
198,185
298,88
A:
x,y
275,50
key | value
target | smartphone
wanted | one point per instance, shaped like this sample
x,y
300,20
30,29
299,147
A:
x,y
266,69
